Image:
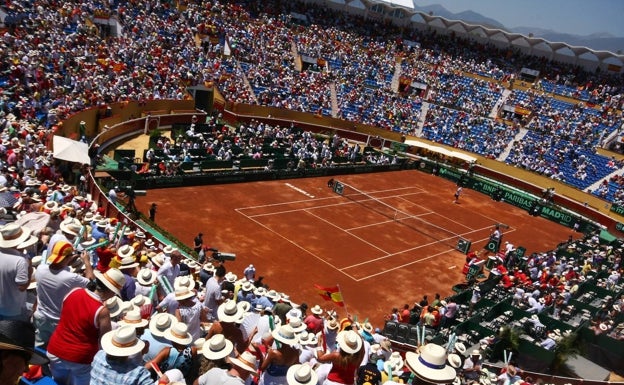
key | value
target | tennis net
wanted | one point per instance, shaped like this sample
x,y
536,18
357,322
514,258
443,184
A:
x,y
401,216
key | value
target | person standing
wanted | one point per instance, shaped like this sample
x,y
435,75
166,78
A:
x,y
84,319
198,243
14,272
152,212
457,194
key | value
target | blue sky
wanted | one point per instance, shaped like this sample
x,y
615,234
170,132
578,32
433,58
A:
x,y
579,17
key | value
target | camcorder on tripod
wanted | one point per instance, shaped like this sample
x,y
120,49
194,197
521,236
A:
x,y
221,257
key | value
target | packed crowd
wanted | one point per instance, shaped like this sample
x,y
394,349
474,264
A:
x,y
107,303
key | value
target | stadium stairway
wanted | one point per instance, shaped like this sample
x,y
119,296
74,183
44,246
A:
x,y
296,57
395,78
617,171
421,119
334,99
503,155
246,81
499,104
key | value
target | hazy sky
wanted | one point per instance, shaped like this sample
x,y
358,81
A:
x,y
579,17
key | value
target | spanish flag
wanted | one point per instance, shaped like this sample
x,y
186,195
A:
x,y
331,293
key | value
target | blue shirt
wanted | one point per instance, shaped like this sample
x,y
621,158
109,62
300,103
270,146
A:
x,y
156,344
105,372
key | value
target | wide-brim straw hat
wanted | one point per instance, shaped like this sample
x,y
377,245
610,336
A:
x,y
316,309
286,335
184,282
11,235
179,334
146,277
246,361
122,342
183,293
229,312
430,364
133,318
217,347
297,325
349,341
112,279
20,335
160,323
301,374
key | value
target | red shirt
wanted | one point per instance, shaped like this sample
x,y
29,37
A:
x,y
77,336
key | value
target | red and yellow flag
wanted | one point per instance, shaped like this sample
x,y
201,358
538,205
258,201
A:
x,y
331,293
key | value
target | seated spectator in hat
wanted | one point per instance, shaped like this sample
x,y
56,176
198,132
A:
x,y
75,341
214,355
549,342
277,360
54,282
180,355
509,375
17,350
346,360
314,321
154,335
115,363
369,373
472,366
241,368
228,316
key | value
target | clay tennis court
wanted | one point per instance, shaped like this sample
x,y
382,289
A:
x,y
387,240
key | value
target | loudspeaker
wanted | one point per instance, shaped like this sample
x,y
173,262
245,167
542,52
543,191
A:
x,y
204,100
463,245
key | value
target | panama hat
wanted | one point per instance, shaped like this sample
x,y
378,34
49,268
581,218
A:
x,y
603,327
454,360
460,347
316,309
217,347
273,295
247,286
184,282
230,277
301,374
245,306
286,335
71,226
229,312
140,300
246,361
169,249
61,250
183,293
133,318
20,336
150,243
306,338
179,334
430,365
396,362
160,323
113,304
125,251
50,205
260,291
128,263
368,327
297,325
476,353
11,235
349,341
122,342
146,277
199,345
332,325
112,279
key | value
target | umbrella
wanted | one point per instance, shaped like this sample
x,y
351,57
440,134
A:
x,y
7,199
71,150
35,221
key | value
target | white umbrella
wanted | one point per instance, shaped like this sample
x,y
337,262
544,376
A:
x,y
70,150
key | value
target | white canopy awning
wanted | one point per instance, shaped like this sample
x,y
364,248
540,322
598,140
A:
x,y
70,150
441,150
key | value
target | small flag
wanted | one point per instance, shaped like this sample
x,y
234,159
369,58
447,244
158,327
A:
x,y
330,294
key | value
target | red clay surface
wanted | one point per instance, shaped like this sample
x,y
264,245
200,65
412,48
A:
x,y
299,232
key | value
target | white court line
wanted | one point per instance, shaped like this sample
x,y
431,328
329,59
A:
x,y
388,221
410,249
297,245
346,231
401,266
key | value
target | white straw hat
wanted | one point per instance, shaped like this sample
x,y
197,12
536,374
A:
x,y
430,365
217,347
179,334
122,342
301,374
349,341
160,323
